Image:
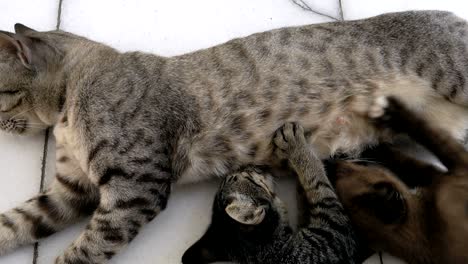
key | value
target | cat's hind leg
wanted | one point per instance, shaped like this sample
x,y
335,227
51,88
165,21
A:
x,y
130,197
69,197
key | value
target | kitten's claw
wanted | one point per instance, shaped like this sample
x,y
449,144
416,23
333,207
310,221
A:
x,y
378,107
287,138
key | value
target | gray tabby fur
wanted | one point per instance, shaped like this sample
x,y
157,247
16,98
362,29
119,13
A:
x,y
129,125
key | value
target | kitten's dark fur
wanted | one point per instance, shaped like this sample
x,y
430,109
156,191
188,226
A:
x,y
426,227
249,224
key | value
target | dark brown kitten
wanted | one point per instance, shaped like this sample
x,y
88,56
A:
x,y
429,226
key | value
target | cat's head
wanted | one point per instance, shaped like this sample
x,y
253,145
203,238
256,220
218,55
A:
x,y
246,196
31,78
371,194
246,211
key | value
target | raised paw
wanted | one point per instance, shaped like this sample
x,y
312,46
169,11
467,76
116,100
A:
x,y
378,107
390,111
288,138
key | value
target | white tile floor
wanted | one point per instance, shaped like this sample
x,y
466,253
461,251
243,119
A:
x,y
167,28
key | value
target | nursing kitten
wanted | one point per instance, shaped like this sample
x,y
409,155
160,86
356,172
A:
x,y
249,223
426,227
129,125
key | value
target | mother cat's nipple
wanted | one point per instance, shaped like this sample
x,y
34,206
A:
x,y
341,120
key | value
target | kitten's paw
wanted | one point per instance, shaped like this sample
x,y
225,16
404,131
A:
x,y
287,139
389,114
378,107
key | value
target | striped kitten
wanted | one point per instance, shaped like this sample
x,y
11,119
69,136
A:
x,y
250,225
426,227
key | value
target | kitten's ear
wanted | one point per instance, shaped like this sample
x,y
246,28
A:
x,y
386,203
203,251
22,29
245,211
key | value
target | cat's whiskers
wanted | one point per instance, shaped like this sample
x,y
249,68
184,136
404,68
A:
x,y
23,112
362,160
39,124
35,127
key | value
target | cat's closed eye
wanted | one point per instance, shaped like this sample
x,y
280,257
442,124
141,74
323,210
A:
x,y
9,92
262,201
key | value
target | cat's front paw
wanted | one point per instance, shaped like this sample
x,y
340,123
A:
x,y
378,107
287,139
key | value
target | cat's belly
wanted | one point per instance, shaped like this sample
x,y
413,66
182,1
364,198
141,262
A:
x,y
218,153
332,125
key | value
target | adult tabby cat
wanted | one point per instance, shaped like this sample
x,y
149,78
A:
x,y
250,225
427,227
129,125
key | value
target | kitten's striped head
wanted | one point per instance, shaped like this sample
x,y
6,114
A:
x,y
246,196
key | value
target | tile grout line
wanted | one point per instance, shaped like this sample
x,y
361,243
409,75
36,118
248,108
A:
x,y
46,140
340,6
380,256
44,159
59,15
41,186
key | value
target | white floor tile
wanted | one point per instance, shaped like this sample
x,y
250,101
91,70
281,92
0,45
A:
x,y
21,162
375,259
175,27
355,9
40,15
388,259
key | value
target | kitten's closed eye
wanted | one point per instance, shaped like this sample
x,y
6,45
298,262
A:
x,y
9,92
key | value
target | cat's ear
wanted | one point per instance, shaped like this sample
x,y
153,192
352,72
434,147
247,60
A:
x,y
32,52
385,202
245,211
22,29
199,253
205,250
9,43
16,45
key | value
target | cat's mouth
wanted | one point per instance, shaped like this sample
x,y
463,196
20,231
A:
x,y
15,126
